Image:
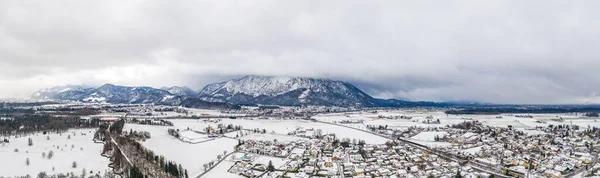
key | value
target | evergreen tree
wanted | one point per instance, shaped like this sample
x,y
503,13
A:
x,y
180,170
270,168
135,173
458,174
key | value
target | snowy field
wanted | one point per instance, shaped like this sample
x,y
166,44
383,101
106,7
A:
x,y
428,136
205,112
79,148
283,127
503,120
190,156
271,137
193,137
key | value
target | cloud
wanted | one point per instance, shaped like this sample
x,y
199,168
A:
x,y
503,52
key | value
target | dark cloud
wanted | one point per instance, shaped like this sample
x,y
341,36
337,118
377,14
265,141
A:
x,y
503,52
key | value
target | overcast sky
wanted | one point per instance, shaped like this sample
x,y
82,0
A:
x,y
535,51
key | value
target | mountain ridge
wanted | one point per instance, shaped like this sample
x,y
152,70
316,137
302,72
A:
x,y
247,90
111,93
282,90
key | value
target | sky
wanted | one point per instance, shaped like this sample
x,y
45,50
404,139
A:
x,y
510,51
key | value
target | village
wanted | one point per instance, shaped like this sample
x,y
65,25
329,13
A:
x,y
329,156
468,148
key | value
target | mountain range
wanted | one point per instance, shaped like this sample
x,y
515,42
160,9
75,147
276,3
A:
x,y
248,90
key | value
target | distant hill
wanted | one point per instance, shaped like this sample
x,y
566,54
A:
x,y
180,91
123,94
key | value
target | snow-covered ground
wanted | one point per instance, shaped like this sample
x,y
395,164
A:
x,y
206,112
79,148
221,169
193,137
193,156
473,150
428,136
271,137
277,162
190,156
283,127
503,120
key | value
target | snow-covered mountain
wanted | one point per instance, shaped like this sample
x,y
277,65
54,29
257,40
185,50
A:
x,y
277,90
110,93
51,93
249,90
106,93
180,91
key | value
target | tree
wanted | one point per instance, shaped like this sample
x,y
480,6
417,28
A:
x,y
47,138
30,142
109,174
135,173
43,154
458,174
74,165
27,161
83,172
50,154
270,167
68,136
42,175
335,143
319,133
180,170
345,144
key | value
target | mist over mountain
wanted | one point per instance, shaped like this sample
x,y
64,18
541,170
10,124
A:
x,y
180,90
